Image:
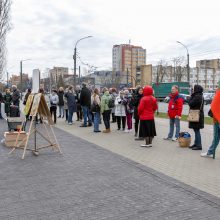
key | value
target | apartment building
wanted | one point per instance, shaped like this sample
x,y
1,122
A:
x,y
126,59
210,64
207,78
56,72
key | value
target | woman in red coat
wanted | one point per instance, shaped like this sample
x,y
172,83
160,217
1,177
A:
x,y
146,109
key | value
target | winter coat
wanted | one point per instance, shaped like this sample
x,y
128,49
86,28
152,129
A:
x,y
26,97
65,103
148,105
54,100
71,101
1,97
85,97
175,106
16,97
196,102
113,95
60,96
119,107
8,102
95,99
77,97
135,102
105,101
128,104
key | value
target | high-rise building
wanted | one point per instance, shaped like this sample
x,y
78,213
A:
x,y
126,59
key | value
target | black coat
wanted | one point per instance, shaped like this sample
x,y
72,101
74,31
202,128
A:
x,y
16,97
135,102
196,102
60,96
85,97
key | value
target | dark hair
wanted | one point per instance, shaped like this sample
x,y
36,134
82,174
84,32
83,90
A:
x,y
41,90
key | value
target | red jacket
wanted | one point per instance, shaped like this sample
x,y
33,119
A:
x,y
148,105
175,106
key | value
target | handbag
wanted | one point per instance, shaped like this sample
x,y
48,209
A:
x,y
95,108
194,115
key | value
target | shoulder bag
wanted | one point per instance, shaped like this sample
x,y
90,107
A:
x,y
194,115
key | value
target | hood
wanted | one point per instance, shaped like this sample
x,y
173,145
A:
x,y
107,93
148,90
198,89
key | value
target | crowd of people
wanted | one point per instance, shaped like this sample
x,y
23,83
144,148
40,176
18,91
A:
x,y
139,105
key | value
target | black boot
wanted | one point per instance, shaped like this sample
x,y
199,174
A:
x,y
192,146
197,148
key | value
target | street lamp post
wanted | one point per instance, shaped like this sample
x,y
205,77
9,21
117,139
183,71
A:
x,y
21,63
188,76
74,57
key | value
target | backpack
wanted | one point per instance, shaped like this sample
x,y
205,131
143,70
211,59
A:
x,y
111,103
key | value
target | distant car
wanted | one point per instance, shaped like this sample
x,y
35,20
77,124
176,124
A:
x,y
208,98
184,96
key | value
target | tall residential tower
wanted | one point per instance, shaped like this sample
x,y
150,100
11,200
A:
x,y
126,59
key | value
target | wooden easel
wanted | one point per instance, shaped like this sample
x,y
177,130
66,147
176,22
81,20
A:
x,y
36,104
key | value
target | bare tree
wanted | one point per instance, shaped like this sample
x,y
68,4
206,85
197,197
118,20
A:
x,y
161,70
179,68
5,6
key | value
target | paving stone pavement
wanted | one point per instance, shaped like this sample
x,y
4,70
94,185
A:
x,y
89,182
167,157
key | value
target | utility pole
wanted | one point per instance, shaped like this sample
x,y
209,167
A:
x,y
188,68
127,77
21,74
21,77
7,79
74,57
79,76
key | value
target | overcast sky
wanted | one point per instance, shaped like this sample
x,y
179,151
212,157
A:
x,y
45,31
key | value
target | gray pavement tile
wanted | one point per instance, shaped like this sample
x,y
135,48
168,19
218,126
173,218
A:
x,y
88,182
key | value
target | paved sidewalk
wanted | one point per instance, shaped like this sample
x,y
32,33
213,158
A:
x,y
89,182
184,165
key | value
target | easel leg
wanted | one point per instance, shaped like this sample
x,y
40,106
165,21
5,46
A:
x,y
35,151
48,135
58,146
29,132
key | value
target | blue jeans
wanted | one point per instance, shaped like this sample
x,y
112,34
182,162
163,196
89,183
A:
x,y
86,114
198,140
96,121
61,111
70,115
176,122
216,139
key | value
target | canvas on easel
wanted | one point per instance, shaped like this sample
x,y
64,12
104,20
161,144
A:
x,y
37,106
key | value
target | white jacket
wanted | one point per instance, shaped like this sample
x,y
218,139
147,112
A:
x,y
119,107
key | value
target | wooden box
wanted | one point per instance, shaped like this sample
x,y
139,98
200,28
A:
x,y
10,138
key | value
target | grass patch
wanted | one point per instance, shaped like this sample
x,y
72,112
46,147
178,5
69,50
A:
x,y
208,120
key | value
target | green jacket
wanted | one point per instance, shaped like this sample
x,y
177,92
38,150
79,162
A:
x,y
104,101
